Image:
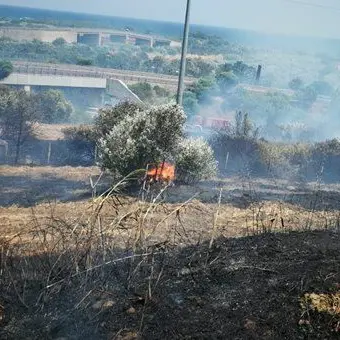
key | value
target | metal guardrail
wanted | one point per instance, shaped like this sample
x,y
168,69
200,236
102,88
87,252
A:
x,y
68,70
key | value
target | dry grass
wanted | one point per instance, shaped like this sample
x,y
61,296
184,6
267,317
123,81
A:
x,y
50,131
65,172
121,267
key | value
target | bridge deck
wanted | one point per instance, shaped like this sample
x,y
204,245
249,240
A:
x,y
96,72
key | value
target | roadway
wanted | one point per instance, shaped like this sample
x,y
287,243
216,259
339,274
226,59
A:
x,y
23,67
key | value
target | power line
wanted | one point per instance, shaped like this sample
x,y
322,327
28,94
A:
x,y
304,3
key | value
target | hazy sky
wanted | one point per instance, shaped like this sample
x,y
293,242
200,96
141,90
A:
x,y
284,16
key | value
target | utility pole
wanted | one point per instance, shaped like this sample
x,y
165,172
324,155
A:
x,y
183,56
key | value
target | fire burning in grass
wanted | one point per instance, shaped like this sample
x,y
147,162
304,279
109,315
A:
x,y
163,172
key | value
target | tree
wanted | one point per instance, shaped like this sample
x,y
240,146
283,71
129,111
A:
x,y
53,107
242,71
157,64
143,136
6,68
306,96
161,91
59,42
226,81
109,117
142,90
190,103
203,89
17,117
296,84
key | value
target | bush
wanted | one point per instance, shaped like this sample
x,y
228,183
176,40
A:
x,y
59,42
6,68
140,137
285,160
84,62
195,161
296,84
161,91
142,90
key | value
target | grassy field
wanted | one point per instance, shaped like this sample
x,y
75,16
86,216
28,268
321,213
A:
x,y
233,258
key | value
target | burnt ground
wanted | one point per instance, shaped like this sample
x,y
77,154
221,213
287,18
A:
x,y
241,288
245,288
26,186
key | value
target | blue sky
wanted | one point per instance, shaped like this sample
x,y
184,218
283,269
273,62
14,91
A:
x,y
283,16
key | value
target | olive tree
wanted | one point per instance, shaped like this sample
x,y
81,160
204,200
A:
x,y
141,136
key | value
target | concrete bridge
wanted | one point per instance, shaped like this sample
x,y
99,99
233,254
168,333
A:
x,y
89,36
83,72
99,90
85,87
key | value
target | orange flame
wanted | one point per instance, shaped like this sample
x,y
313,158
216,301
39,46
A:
x,y
163,172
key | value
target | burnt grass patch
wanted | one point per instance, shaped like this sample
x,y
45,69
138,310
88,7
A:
x,y
240,288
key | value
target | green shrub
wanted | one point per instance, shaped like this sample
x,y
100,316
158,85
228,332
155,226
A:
x,y
84,62
6,68
285,160
142,90
195,161
140,137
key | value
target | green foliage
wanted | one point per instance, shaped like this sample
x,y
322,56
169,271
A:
x,y
198,67
283,158
328,147
53,107
203,88
81,116
6,68
241,71
306,96
226,80
190,103
110,117
17,117
204,44
161,91
142,90
243,127
80,133
197,94
84,62
151,95
195,161
296,84
141,137
266,109
59,42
